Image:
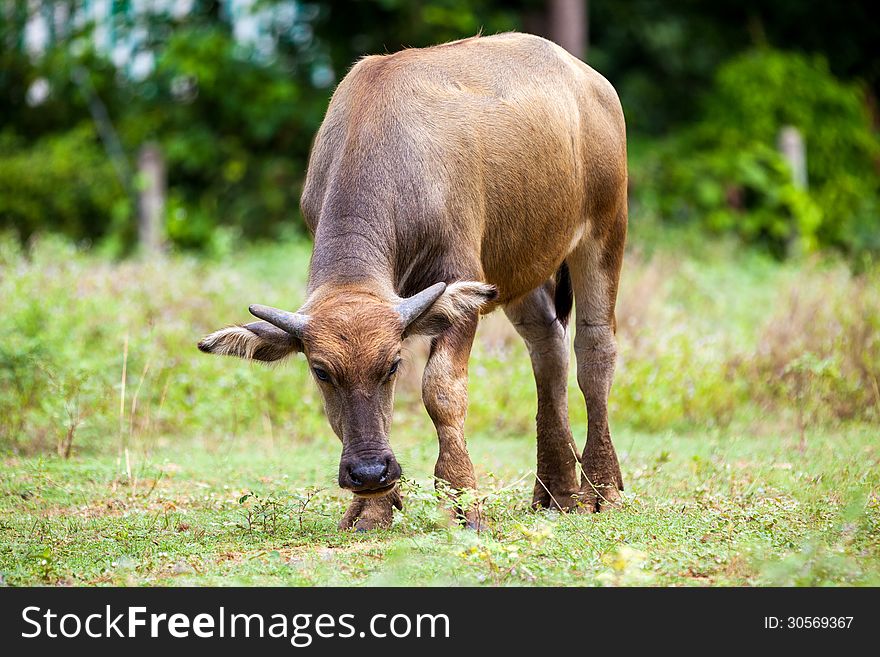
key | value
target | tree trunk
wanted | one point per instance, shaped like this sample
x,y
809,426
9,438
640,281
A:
x,y
568,25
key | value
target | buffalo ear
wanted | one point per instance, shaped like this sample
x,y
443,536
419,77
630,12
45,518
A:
x,y
255,341
458,301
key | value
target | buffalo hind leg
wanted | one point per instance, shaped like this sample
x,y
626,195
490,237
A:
x,y
365,513
534,318
595,272
444,391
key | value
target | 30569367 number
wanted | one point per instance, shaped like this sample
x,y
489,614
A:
x,y
808,622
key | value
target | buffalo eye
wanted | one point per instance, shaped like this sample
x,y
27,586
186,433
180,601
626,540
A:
x,y
321,374
394,367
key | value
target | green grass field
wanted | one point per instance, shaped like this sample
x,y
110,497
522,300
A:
x,y
745,414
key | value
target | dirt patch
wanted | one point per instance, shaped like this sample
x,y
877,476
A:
x,y
299,553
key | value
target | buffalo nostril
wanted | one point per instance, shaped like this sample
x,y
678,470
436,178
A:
x,y
354,478
369,474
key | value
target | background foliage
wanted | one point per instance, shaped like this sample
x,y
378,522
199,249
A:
x,y
724,172
706,88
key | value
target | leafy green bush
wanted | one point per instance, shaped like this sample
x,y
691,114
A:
x,y
235,131
233,121
726,174
747,192
63,183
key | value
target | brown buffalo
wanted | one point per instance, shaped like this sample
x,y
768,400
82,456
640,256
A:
x,y
445,182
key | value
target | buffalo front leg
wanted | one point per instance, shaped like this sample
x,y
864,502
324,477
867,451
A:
x,y
444,391
534,318
366,513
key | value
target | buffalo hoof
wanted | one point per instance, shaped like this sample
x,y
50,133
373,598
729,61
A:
x,y
368,513
599,498
552,495
471,519
475,523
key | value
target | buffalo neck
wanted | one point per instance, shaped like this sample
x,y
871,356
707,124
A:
x,y
353,249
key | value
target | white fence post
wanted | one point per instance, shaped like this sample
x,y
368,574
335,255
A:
x,y
791,146
151,198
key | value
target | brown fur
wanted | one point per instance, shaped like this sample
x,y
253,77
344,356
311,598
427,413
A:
x,y
444,391
505,149
489,164
354,334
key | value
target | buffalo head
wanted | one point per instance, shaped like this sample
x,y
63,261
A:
x,y
352,337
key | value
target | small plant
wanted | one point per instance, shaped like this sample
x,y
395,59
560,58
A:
x,y
272,514
43,563
265,514
801,377
302,502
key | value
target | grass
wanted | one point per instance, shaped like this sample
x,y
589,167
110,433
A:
x,y
745,413
722,508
